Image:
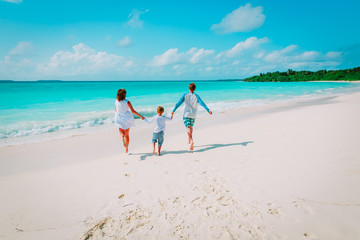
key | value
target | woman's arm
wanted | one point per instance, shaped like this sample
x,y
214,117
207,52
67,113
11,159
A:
x,y
134,112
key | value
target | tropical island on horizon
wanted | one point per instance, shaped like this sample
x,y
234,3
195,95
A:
x,y
306,76
288,76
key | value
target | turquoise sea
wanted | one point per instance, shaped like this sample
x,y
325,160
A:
x,y
35,108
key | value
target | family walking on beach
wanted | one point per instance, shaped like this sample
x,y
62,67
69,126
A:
x,y
124,118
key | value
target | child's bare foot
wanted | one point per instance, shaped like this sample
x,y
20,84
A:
x,y
191,146
154,151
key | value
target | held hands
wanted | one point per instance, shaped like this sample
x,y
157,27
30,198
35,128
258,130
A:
x,y
142,118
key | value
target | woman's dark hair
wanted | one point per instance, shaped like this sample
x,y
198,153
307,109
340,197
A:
x,y
121,94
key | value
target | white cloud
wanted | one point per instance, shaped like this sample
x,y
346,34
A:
x,y
16,62
198,55
249,43
280,55
291,57
308,56
134,18
260,54
243,19
13,1
334,55
246,58
129,63
83,60
126,41
172,56
22,48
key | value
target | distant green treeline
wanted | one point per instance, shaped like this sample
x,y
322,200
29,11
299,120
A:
x,y
301,76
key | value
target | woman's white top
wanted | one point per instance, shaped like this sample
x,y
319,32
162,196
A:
x,y
124,118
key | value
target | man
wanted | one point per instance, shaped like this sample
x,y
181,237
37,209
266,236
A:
x,y
191,103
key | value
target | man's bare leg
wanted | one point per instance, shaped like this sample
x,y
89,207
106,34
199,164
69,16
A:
x,y
191,141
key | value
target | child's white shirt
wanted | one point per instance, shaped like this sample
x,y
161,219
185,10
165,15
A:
x,y
159,122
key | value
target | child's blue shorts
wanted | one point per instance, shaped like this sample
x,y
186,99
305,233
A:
x,y
158,137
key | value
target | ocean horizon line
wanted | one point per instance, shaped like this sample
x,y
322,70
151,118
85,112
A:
x,y
67,81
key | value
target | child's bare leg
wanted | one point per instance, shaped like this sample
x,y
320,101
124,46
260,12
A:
x,y
191,141
153,148
127,140
159,149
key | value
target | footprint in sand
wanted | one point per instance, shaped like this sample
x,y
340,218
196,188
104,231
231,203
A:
x,y
209,207
310,236
303,207
272,209
226,235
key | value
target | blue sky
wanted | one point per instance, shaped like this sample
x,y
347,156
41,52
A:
x,y
170,40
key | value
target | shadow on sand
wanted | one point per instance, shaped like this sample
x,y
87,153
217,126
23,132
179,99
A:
x,y
201,148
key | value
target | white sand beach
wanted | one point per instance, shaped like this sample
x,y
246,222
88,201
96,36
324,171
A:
x,y
282,171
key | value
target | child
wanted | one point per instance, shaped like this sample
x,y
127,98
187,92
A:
x,y
158,135
191,100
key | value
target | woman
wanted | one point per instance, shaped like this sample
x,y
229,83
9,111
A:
x,y
123,117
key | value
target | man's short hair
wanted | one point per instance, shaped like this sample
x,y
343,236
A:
x,y
160,109
192,86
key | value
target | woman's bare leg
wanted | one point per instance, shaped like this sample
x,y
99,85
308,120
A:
x,y
127,140
122,135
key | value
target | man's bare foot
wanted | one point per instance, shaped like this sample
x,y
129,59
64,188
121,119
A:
x,y
191,146
154,151
158,154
